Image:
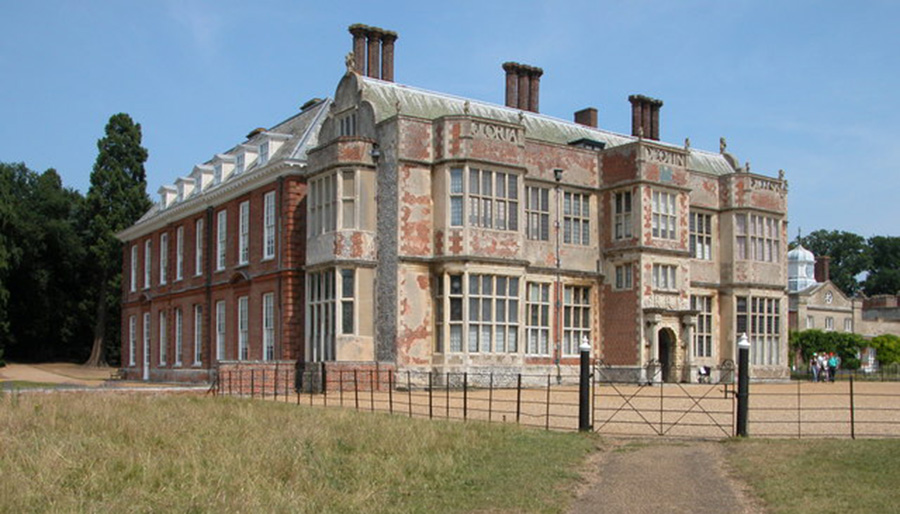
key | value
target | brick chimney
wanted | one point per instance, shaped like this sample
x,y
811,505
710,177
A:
x,y
823,271
373,51
587,117
645,116
523,86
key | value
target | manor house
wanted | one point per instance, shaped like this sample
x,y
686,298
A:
x,y
392,227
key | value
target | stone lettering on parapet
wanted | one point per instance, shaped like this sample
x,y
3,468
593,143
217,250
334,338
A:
x,y
495,132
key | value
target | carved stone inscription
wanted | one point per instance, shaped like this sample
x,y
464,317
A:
x,y
495,132
663,156
770,185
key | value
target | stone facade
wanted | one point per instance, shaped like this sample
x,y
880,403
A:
x,y
435,233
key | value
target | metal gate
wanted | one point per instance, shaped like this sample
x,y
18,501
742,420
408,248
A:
x,y
702,410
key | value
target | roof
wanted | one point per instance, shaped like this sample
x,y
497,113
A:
x,y
300,132
387,97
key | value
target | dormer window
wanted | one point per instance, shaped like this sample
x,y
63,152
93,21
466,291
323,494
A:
x,y
348,124
263,153
217,174
239,164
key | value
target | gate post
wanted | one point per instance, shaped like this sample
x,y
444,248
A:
x,y
743,394
584,387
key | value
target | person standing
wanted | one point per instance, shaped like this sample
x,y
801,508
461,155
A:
x,y
832,366
814,367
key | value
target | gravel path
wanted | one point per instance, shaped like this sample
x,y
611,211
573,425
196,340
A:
x,y
642,476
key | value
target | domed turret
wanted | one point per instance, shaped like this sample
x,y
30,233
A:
x,y
801,269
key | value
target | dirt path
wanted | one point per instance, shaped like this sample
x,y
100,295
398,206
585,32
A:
x,y
643,476
55,373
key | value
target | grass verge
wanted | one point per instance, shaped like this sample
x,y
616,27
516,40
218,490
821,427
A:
x,y
821,476
128,453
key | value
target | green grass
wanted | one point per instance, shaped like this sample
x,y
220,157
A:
x,y
138,453
820,476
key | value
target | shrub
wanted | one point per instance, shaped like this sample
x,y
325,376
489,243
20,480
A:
x,y
845,345
887,348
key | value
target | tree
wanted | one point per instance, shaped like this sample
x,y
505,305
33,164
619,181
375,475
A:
x,y
884,272
848,252
116,199
887,349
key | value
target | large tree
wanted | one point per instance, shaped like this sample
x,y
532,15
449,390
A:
x,y
884,272
43,259
848,252
116,199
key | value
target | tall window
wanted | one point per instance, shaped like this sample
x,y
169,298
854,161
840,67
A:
x,y
163,258
348,292
624,279
269,225
757,238
132,339
348,124
221,236
703,331
146,329
134,258
763,329
623,225
663,215
810,322
322,205
198,334
848,325
179,344
320,305
239,164
493,314
493,199
147,263
263,153
576,317
217,173
243,328
348,199
537,213
198,246
179,253
538,328
244,231
457,197
829,323
576,218
163,338
220,330
268,324
664,277
701,236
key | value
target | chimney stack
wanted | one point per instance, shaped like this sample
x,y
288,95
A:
x,y
587,117
373,51
823,271
645,116
523,86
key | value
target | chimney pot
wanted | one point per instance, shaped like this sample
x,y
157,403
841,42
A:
x,y
374,68
359,47
822,269
524,88
534,75
512,84
387,55
587,117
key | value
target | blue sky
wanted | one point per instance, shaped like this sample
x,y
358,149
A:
x,y
805,86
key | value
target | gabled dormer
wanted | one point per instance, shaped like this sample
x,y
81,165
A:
x,y
203,177
223,167
167,195
266,145
185,186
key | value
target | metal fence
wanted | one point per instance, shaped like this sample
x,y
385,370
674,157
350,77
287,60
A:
x,y
846,408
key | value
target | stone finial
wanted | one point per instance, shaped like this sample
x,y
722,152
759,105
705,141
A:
x,y
397,106
747,166
640,132
466,108
781,175
687,143
722,145
521,117
350,61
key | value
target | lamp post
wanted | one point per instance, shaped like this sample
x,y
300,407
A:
x,y
743,394
557,174
584,386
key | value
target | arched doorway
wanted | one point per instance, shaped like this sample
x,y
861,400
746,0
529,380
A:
x,y
666,353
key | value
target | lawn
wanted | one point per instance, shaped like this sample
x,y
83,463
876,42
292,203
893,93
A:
x,y
820,476
97,452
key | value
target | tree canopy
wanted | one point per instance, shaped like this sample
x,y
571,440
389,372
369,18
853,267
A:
x,y
858,265
116,199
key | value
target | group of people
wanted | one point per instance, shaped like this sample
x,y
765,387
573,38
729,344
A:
x,y
824,366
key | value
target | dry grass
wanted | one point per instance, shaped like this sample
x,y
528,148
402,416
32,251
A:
x,y
822,476
136,453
